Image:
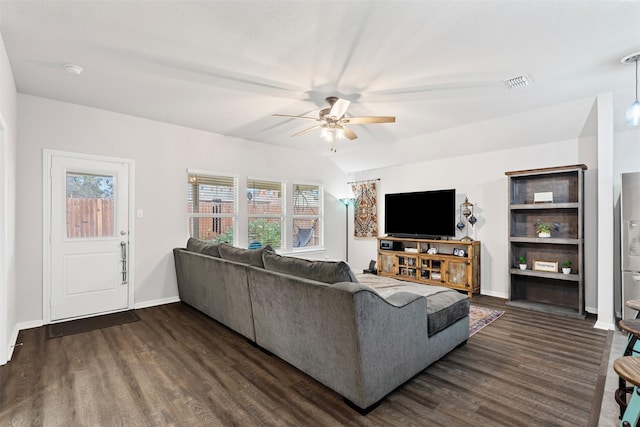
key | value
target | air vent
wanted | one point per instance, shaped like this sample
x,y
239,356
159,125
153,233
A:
x,y
519,81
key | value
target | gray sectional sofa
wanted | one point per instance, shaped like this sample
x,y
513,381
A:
x,y
317,317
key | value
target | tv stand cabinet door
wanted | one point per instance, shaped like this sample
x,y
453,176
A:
x,y
458,275
387,264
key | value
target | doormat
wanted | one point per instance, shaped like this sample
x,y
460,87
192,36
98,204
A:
x,y
479,317
57,330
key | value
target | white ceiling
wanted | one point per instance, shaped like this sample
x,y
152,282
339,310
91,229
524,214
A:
x,y
227,66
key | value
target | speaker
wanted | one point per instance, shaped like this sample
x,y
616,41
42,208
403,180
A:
x,y
386,245
372,268
390,245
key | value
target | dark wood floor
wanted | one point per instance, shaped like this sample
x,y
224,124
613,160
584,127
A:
x,y
178,367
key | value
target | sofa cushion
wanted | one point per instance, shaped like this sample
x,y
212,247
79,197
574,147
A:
x,y
203,247
444,306
246,256
321,271
444,309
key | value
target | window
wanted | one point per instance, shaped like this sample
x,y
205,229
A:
x,y
89,205
265,213
284,215
307,215
211,207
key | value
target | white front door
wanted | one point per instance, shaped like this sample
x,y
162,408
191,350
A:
x,y
89,235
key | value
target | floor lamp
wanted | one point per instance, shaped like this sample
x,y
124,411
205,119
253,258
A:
x,y
346,202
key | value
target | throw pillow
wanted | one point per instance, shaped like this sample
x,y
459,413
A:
x,y
322,271
202,247
245,256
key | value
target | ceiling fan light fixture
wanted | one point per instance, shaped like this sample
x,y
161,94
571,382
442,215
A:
x,y
332,133
333,122
633,110
325,134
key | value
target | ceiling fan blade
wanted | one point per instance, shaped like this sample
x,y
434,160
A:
x,y
368,119
302,132
349,133
295,117
339,108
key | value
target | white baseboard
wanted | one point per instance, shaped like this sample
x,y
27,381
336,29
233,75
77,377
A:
x,y
493,294
13,341
604,325
29,325
145,304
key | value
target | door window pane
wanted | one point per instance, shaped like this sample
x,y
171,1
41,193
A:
x,y
90,205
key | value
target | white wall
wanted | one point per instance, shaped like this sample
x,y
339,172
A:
x,y
588,155
8,147
162,154
605,212
481,178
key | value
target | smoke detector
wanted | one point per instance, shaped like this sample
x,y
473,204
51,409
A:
x,y
73,69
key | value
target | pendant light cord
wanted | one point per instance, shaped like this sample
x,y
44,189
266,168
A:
x,y
636,79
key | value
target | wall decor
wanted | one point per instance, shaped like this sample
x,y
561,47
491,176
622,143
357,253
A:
x,y
365,218
546,197
549,266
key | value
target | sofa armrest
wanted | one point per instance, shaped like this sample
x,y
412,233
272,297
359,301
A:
x,y
393,343
397,299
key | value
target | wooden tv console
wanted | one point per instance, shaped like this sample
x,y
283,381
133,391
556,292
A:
x,y
456,264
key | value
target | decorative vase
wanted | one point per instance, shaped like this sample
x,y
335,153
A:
x,y
566,270
523,266
544,234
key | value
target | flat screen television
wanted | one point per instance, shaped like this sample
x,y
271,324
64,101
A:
x,y
427,214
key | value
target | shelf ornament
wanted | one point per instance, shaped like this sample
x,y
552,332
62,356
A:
x,y
544,228
466,216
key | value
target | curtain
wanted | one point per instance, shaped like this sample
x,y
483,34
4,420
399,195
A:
x,y
366,209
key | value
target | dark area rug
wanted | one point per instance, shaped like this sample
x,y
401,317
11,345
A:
x,y
57,330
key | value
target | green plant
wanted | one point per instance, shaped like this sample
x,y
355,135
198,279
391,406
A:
x,y
226,237
522,260
546,227
265,232
567,264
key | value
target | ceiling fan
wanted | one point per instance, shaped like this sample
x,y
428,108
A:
x,y
332,121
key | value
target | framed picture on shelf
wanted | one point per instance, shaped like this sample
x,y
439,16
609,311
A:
x,y
546,197
548,266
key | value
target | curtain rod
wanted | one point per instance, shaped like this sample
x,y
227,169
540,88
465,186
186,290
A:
x,y
365,180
